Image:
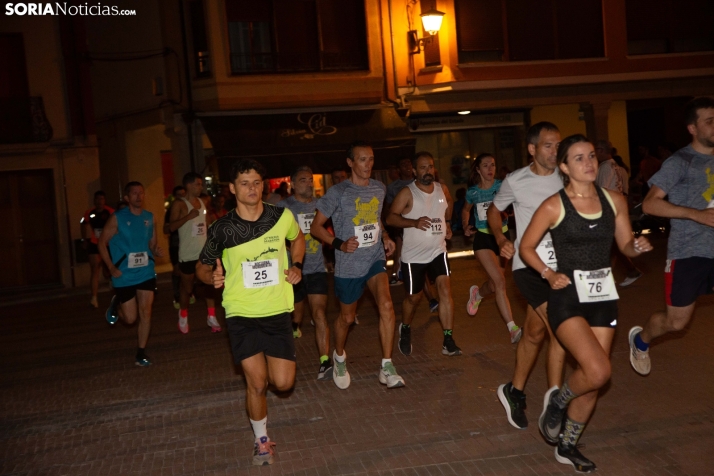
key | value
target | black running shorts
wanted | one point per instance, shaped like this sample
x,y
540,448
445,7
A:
x,y
486,241
534,288
687,279
564,304
272,335
315,283
188,267
127,293
414,274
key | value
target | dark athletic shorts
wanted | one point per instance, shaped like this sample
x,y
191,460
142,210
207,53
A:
x,y
564,304
349,290
272,335
173,254
188,267
686,279
315,283
414,274
486,241
534,288
127,293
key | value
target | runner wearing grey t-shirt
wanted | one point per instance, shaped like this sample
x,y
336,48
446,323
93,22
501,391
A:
x,y
355,207
526,189
682,190
313,286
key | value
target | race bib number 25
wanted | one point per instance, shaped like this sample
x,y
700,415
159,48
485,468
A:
x,y
260,274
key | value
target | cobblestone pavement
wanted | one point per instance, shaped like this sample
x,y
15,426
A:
x,y
74,403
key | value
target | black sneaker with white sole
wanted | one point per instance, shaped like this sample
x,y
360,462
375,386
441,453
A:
x,y
405,339
325,370
551,418
567,454
515,406
450,348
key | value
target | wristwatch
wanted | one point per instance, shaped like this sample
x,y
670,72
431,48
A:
x,y
298,265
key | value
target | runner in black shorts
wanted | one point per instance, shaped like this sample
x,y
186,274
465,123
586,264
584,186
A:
x,y
312,289
424,212
525,189
406,176
682,190
178,193
583,219
92,225
249,243
483,187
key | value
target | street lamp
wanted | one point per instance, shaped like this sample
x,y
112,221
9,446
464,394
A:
x,y
431,20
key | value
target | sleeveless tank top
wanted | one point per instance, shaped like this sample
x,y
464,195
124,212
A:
x,y
192,234
583,243
421,246
129,248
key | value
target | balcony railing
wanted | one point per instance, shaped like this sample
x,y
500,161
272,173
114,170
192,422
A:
x,y
23,120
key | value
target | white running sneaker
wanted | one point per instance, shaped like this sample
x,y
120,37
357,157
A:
x,y
388,376
629,280
213,324
182,324
340,375
639,359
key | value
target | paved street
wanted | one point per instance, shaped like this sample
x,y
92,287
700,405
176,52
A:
x,y
74,403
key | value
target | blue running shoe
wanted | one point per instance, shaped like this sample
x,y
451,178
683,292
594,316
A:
x,y
142,361
112,313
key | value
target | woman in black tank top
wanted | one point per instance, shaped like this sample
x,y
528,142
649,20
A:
x,y
583,221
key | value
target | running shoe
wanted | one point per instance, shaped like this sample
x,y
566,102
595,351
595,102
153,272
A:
x,y
182,324
263,451
450,348
567,454
213,324
472,305
433,305
340,375
192,299
630,279
356,322
405,340
325,370
93,302
516,334
388,376
394,281
297,333
639,359
142,361
514,406
551,418
112,314
177,305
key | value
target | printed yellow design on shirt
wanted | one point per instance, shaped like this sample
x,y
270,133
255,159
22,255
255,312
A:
x,y
366,212
709,193
311,245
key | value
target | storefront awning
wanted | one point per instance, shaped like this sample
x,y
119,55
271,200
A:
x,y
284,141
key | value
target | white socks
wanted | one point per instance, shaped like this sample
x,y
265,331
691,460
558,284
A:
x,y
511,326
384,361
340,358
260,428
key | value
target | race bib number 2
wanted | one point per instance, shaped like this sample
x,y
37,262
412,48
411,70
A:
x,y
367,235
595,286
260,274
546,252
138,260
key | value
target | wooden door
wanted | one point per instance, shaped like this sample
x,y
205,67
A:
x,y
28,242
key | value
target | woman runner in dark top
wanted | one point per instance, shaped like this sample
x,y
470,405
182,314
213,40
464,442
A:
x,y
583,219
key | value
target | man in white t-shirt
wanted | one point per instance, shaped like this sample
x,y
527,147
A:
x,y
526,189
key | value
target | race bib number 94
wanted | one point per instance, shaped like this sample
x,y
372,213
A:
x,y
595,286
138,260
260,274
367,235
